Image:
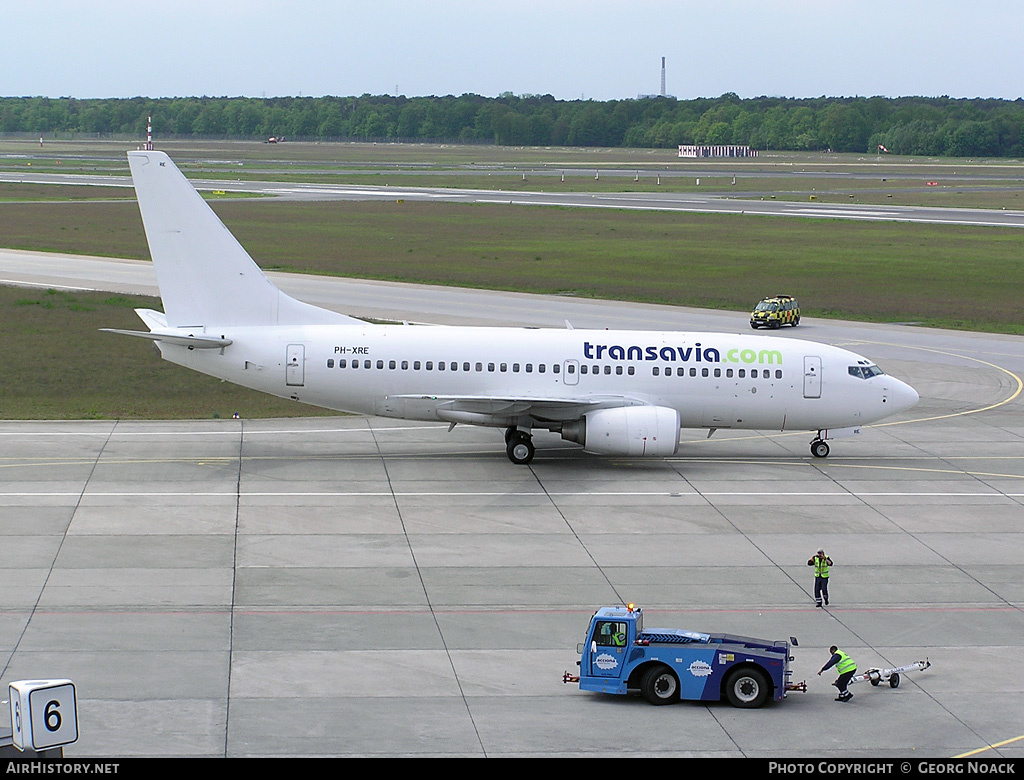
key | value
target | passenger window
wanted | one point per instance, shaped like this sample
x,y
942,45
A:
x,y
703,372
743,373
366,364
440,365
555,368
571,369
490,367
632,370
380,364
693,372
503,368
479,366
778,373
330,362
728,373
529,368
342,363
655,371
465,366
607,370
429,365
392,364
405,365
718,372
541,368
618,370
515,368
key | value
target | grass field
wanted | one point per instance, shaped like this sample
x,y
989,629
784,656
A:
x,y
948,276
57,365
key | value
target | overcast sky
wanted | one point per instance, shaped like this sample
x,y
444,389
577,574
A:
x,y
571,49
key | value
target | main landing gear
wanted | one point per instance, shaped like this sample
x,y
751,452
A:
x,y
519,446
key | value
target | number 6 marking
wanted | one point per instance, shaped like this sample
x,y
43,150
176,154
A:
x,y
51,716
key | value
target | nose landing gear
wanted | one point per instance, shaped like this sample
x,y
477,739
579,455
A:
x,y
819,448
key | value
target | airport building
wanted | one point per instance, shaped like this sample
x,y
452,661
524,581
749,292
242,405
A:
x,y
716,150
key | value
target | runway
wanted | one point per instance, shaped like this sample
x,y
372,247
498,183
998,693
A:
x,y
364,587
712,202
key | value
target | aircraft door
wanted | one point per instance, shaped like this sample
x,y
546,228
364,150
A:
x,y
571,372
294,371
812,376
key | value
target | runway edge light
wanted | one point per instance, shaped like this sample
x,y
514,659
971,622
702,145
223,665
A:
x,y
44,714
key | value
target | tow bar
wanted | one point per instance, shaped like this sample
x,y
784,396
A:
x,y
877,676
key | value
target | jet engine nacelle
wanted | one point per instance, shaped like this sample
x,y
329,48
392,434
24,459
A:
x,y
651,431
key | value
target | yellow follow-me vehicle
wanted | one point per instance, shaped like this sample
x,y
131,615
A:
x,y
775,311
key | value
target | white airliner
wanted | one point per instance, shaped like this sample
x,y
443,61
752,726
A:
x,y
615,392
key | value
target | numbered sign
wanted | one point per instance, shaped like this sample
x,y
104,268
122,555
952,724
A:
x,y
44,714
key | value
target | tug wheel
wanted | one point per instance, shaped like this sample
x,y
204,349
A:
x,y
659,685
747,688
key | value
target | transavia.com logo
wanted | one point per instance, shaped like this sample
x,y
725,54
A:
x,y
695,354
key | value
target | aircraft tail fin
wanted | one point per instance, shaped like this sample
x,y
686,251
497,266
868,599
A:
x,y
206,278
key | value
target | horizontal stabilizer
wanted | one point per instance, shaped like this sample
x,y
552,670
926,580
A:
x,y
193,342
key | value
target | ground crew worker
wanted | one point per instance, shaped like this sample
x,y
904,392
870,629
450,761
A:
x,y
820,562
846,668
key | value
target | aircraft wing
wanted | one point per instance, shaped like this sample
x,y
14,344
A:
x,y
501,409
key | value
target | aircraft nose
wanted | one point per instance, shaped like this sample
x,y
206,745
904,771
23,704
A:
x,y
903,397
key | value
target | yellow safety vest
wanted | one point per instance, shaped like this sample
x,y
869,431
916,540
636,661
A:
x,y
846,664
820,566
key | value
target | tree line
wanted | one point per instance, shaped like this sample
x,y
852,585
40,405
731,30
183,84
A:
x,y
939,126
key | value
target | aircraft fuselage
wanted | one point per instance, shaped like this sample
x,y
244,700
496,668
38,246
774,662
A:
x,y
714,380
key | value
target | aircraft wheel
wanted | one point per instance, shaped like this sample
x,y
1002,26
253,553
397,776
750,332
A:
x,y
520,450
894,681
748,688
659,685
819,449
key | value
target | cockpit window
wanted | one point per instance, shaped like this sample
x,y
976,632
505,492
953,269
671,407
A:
x,y
865,372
